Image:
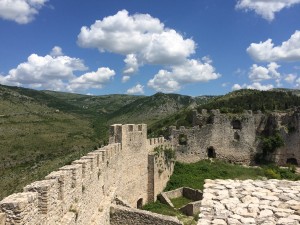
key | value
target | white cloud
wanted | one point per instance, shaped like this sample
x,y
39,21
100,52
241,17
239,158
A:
x,y
138,89
290,78
132,64
145,40
56,51
191,71
20,11
237,87
265,8
298,82
42,69
140,37
259,86
125,79
56,73
164,81
287,51
260,73
255,85
92,79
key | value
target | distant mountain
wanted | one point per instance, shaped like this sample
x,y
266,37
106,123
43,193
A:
x,y
150,109
103,104
245,99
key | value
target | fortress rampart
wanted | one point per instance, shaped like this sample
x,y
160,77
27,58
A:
x,y
82,193
238,138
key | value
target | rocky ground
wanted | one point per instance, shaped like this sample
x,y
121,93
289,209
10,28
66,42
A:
x,y
263,202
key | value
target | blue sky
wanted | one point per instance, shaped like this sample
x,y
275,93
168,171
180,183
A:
x,y
207,47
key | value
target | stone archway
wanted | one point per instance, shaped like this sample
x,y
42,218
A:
x,y
211,153
139,204
292,161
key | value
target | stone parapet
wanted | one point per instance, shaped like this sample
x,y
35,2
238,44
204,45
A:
x,y
81,193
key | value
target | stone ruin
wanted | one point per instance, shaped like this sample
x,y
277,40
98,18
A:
x,y
110,185
88,190
236,138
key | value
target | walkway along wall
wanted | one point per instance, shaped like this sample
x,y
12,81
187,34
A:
x,y
81,193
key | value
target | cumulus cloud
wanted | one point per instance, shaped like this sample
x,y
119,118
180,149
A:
x,y
265,8
138,89
189,72
237,87
255,85
140,37
56,72
125,79
56,51
266,51
41,69
132,64
144,40
20,11
290,78
259,86
260,73
92,79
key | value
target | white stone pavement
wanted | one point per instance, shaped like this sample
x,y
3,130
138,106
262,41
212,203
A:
x,y
262,202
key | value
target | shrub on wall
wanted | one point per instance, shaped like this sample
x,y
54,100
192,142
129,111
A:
x,y
169,154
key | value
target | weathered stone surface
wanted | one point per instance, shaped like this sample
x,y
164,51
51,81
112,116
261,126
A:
x,y
251,202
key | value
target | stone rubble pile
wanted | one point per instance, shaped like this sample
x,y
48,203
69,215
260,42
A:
x,y
262,202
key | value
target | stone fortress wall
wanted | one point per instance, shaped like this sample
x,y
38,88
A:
x,y
128,170
82,193
237,137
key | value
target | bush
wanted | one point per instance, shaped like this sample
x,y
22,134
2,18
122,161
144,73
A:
x,y
270,144
272,174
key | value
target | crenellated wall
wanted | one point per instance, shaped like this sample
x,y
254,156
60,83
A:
x,y
81,193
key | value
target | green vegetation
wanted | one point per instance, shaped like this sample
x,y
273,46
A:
x,y
269,145
193,175
237,101
164,209
274,172
180,201
169,154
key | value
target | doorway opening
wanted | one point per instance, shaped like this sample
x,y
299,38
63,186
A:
x,y
211,153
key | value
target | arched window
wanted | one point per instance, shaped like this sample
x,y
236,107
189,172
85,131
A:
x,y
139,203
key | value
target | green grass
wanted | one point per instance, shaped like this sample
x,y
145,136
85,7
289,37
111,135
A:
x,y
164,209
193,175
180,201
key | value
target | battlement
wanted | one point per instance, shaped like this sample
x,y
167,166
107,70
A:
x,y
64,193
81,193
119,133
